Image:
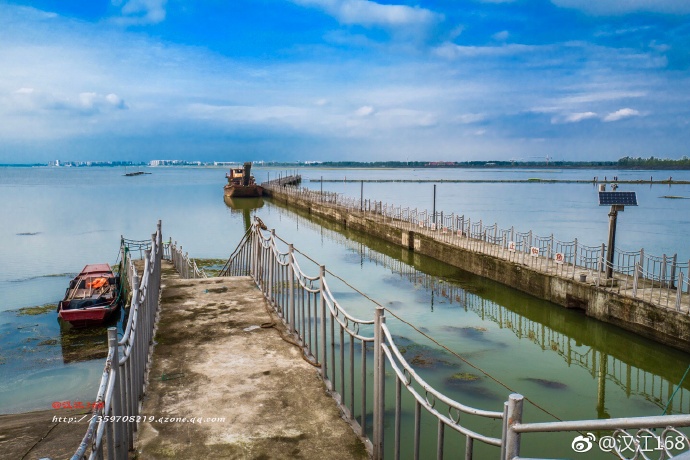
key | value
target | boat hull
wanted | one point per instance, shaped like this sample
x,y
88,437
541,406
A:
x,y
92,297
88,316
243,191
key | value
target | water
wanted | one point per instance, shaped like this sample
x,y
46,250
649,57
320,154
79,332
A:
x,y
59,219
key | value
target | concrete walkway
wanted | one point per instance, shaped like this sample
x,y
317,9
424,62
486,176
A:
x,y
254,394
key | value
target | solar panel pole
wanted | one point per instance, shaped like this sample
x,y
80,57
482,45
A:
x,y
613,218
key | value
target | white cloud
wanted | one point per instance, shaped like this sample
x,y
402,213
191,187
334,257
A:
x,y
140,12
452,51
501,36
622,114
29,101
368,13
468,118
573,117
620,7
364,111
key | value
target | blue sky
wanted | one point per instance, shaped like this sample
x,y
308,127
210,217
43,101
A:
x,y
344,79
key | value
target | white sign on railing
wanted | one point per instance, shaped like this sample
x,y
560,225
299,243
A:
x,y
534,251
559,258
511,246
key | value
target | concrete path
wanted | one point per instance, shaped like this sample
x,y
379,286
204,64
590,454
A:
x,y
254,394
54,434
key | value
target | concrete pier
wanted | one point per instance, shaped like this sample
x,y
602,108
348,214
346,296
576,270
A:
x,y
226,383
611,304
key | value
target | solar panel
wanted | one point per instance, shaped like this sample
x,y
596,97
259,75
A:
x,y
617,198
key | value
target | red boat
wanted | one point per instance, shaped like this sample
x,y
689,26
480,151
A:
x,y
92,296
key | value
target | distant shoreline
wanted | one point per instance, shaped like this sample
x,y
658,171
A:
x,y
515,181
669,165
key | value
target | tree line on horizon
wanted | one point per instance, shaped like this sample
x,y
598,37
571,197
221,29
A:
x,y
623,163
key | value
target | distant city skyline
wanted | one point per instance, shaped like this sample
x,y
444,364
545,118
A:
x,y
331,80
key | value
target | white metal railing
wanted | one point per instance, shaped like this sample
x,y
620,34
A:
x,y
661,280
338,343
186,267
110,433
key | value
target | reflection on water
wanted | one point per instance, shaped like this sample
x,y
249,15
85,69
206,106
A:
x,y
245,206
87,343
560,350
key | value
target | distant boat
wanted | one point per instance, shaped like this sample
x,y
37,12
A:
x,y
137,173
92,296
241,184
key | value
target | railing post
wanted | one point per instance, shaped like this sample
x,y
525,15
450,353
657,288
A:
x,y
674,262
291,287
662,276
322,302
116,403
379,383
271,266
636,279
574,257
131,375
513,416
679,291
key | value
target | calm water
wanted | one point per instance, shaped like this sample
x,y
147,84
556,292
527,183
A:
x,y
59,219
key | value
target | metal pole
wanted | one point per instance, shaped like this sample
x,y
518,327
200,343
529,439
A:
x,y
434,215
513,416
291,287
322,293
613,217
379,383
321,188
361,197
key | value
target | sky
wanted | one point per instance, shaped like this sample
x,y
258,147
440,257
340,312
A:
x,y
329,80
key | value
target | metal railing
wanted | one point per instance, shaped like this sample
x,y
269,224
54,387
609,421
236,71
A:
x,y
110,433
660,280
339,343
186,267
330,337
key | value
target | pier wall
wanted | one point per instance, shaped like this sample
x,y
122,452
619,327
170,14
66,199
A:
x,y
663,325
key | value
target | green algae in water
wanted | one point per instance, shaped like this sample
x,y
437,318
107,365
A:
x,y
423,356
37,310
552,384
463,377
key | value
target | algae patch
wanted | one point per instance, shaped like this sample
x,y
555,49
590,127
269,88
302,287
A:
x,y
463,377
37,310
